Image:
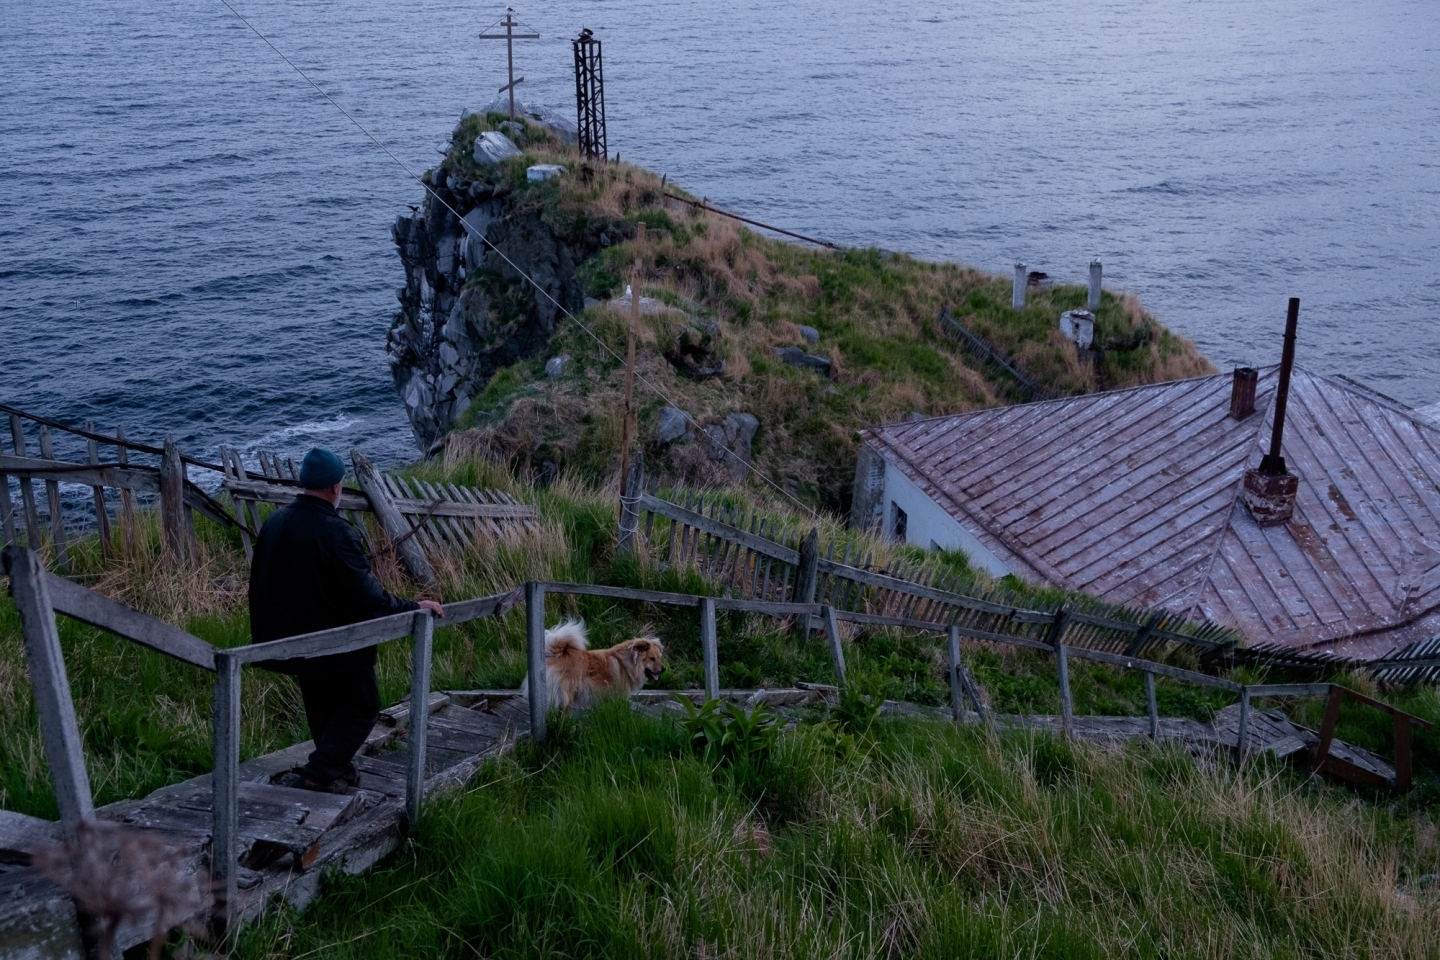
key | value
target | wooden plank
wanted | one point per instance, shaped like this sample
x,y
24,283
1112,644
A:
x,y
7,507
64,749
708,648
807,567
496,605
1402,753
702,523
100,611
97,494
631,503
380,777
624,593
1067,706
1290,690
21,836
230,457
423,632
355,636
27,490
396,527
225,820
535,656
1152,711
837,652
773,608
425,537
1163,669
172,502
128,505
52,499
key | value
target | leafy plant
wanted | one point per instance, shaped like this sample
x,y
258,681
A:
x,y
859,706
727,735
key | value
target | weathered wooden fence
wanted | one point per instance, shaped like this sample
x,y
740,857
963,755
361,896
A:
x,y
419,518
753,557
40,596
164,478
423,518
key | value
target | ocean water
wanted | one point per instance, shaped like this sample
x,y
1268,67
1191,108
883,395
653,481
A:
x,y
193,242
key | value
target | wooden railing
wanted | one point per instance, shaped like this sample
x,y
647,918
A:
x,y
40,595
753,557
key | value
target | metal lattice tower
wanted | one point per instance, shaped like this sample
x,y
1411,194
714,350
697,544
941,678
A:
x,y
590,96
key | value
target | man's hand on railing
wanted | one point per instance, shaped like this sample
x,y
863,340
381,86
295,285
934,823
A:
x,y
434,608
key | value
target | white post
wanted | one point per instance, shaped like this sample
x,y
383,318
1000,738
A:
x,y
1092,302
1017,297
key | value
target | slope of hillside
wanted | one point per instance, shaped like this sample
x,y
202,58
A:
x,y
724,300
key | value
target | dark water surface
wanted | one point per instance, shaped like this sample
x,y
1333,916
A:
x,y
192,240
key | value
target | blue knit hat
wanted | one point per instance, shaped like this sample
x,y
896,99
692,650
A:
x,y
321,469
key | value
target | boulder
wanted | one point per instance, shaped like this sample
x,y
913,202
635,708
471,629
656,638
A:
x,y
493,147
796,357
809,334
556,365
673,424
543,171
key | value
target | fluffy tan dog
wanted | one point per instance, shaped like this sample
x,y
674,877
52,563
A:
x,y
576,676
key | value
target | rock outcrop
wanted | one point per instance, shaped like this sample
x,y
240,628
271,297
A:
x,y
467,309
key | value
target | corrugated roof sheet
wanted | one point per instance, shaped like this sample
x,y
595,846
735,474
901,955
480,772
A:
x,y
1133,495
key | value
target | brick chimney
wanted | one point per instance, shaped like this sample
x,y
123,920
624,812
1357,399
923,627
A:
x,y
1242,392
1270,491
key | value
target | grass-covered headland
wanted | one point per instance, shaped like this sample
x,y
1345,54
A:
x,y
844,835
737,297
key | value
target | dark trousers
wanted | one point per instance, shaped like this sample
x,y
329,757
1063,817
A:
x,y
341,707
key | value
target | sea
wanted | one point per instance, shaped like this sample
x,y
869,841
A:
x,y
195,242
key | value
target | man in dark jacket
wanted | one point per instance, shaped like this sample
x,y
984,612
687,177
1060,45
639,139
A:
x,y
309,573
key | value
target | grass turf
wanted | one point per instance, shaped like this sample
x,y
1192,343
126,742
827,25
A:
x,y
912,839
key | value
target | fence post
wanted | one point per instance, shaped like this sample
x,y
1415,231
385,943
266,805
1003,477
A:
x,y
1062,666
128,504
172,502
1017,294
225,783
708,649
392,521
1092,302
1402,753
52,498
630,503
535,656
1150,706
7,508
102,514
1242,735
832,633
423,633
960,679
27,489
58,727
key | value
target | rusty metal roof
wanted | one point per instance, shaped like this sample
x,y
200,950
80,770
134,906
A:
x,y
1133,495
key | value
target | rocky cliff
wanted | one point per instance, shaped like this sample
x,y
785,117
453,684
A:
x,y
465,311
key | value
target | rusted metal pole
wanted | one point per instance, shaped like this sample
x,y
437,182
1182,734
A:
x,y
1092,302
1273,464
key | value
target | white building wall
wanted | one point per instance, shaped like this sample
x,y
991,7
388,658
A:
x,y
927,524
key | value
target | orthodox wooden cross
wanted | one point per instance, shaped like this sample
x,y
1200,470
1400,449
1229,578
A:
x,y
510,36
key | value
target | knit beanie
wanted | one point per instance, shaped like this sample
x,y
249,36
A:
x,y
321,469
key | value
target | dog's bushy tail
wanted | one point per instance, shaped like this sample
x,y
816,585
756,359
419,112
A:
x,y
559,640
569,635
